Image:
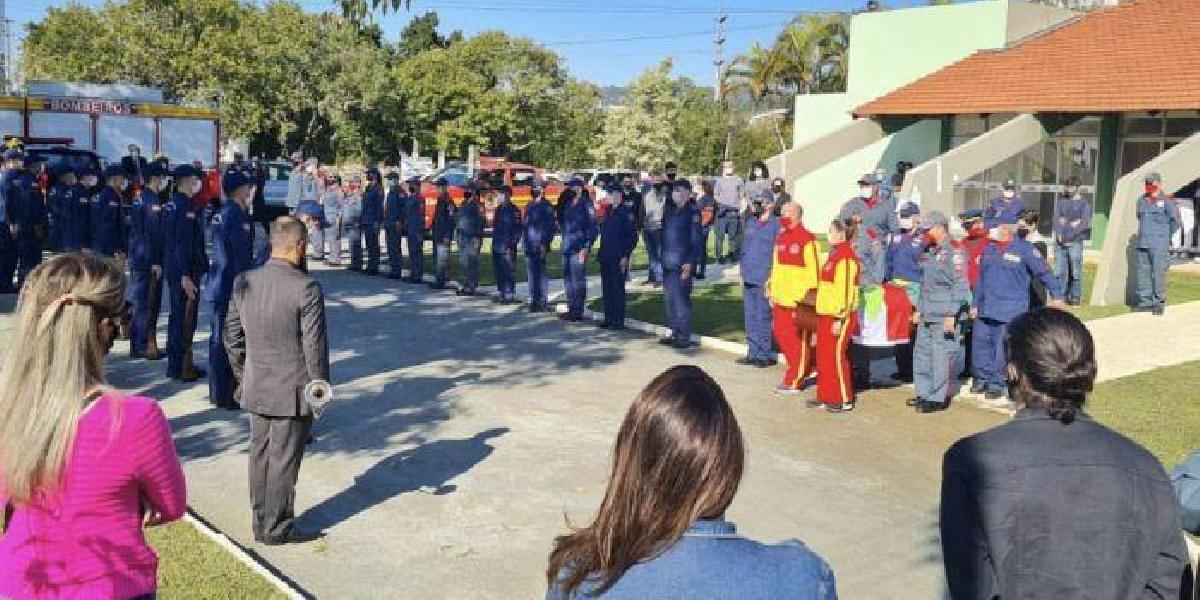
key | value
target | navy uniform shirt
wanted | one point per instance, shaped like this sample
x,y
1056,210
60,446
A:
x,y
393,206
443,219
414,214
107,231
579,226
233,251
1002,211
904,257
618,234
185,253
758,250
74,206
148,236
681,235
1005,273
31,205
372,205
1066,213
8,204
506,228
469,219
540,226
1158,218
944,288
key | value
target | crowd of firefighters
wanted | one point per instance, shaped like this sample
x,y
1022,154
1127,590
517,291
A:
x,y
892,277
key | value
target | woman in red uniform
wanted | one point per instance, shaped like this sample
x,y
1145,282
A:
x,y
837,306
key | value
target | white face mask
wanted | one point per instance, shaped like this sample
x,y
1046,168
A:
x,y
906,222
995,235
124,185
1009,194
89,182
865,192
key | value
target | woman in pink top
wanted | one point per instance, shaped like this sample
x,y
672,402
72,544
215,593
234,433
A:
x,y
82,469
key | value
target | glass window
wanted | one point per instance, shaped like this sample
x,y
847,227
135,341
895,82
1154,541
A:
x,y
1135,154
1143,125
969,126
1004,170
1182,127
1087,126
1078,158
1039,164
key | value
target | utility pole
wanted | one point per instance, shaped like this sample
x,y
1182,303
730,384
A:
x,y
719,61
6,60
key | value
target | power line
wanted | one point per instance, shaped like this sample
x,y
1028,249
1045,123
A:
x,y
660,36
719,61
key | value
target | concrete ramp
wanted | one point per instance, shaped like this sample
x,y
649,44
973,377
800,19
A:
x,y
823,190
934,179
1114,279
817,152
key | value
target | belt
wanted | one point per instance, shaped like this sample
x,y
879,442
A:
x,y
727,210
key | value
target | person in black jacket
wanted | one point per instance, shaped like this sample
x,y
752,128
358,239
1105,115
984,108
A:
x,y
1054,505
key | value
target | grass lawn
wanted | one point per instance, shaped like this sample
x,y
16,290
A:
x,y
1159,409
717,308
193,566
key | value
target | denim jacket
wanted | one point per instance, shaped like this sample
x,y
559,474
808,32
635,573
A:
x,y
713,562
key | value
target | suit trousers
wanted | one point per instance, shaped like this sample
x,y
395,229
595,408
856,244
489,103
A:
x,y
612,280
276,449
220,374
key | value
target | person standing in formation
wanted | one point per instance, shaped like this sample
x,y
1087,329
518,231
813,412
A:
x,y
758,252
618,238
538,236
730,194
837,316
233,254
147,253
680,254
443,234
793,280
578,234
468,226
393,224
185,263
414,231
506,234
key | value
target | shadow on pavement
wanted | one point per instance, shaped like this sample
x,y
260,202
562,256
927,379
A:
x,y
428,468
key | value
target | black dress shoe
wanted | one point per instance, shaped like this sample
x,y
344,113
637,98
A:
x,y
295,536
684,344
1159,310
993,395
913,402
839,408
747,361
616,327
667,341
925,407
699,275
905,377
977,387
812,403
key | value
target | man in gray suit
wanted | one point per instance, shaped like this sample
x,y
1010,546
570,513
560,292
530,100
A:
x,y
276,339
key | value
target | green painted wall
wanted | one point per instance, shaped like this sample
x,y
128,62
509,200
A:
x,y
890,49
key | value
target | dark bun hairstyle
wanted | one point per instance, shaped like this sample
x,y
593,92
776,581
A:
x,y
846,226
1052,356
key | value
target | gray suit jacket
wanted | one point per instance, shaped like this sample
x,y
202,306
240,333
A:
x,y
276,339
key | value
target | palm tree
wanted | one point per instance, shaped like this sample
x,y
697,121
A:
x,y
360,10
753,73
811,54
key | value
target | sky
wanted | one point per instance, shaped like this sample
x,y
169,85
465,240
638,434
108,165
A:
x,y
607,42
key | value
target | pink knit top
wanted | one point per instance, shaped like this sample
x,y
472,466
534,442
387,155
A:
x,y
85,541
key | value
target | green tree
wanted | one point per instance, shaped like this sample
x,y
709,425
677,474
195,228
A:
x,y
641,133
422,34
700,129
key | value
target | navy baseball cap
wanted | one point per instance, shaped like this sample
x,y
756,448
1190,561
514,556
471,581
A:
x,y
575,182
154,169
973,214
1010,185
14,154
113,171
868,179
441,181
909,210
234,180
185,171
393,175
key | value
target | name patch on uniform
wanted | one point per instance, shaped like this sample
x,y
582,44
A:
x,y
190,215
156,208
246,226
216,219
1012,257
113,204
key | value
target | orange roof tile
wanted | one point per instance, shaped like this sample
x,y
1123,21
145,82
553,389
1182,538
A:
x,y
1128,58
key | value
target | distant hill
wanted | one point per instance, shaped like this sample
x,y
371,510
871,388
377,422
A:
x,y
613,95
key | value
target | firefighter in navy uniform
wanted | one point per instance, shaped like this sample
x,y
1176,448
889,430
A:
x,y
680,255
233,254
578,234
72,201
186,262
540,228
31,221
618,238
147,251
443,234
372,216
506,234
107,222
14,161
393,224
1158,220
414,231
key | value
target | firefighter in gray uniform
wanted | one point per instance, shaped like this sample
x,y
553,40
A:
x,y
941,303
1158,219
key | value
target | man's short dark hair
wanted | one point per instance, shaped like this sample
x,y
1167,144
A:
x,y
287,232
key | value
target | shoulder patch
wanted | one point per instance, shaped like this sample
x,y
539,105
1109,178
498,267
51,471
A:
x,y
216,219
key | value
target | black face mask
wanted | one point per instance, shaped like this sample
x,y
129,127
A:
x,y
628,187
757,209
671,176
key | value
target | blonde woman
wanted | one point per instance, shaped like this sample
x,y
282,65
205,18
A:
x,y
82,468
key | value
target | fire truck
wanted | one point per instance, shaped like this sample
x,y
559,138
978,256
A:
x,y
488,175
54,117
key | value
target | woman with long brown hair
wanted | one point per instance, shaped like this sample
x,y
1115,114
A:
x,y
82,468
660,530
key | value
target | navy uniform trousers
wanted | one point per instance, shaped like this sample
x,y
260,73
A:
x,y
181,325
934,363
987,352
505,266
146,293
220,373
392,237
8,259
575,283
678,292
612,281
539,279
756,311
